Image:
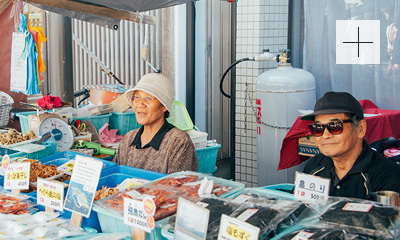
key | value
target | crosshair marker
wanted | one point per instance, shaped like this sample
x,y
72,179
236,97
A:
x,y
358,42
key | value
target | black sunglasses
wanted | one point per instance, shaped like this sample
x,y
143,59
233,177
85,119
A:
x,y
335,127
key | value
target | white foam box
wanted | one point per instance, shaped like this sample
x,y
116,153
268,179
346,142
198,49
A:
x,y
308,146
199,139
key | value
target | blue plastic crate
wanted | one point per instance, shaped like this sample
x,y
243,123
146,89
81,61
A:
x,y
23,120
280,190
98,121
133,172
207,158
109,181
113,222
263,192
51,149
124,122
69,155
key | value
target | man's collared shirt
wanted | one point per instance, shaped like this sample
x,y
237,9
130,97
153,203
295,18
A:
x,y
370,173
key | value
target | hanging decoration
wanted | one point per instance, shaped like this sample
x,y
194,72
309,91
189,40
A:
x,y
26,63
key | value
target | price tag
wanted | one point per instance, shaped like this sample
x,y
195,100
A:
x,y
135,215
309,187
50,194
17,176
303,236
131,182
83,185
357,207
234,229
67,167
191,221
241,199
206,187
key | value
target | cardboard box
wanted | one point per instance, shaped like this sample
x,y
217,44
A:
x,y
308,146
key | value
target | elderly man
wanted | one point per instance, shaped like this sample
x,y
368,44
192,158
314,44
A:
x,y
355,170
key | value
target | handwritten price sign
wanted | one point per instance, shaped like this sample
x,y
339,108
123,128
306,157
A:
x,y
50,194
312,188
234,229
17,176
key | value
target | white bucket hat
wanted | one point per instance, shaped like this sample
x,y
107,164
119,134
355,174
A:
x,y
157,85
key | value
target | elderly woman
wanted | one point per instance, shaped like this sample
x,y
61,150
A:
x,y
157,145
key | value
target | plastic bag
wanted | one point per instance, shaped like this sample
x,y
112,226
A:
x,y
217,207
324,232
272,217
364,217
15,204
165,193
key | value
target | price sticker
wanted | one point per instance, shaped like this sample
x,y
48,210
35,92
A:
x,y
303,236
50,194
234,229
312,188
5,162
17,176
67,167
136,216
357,207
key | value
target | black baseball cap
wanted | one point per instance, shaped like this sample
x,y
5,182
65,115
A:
x,y
336,102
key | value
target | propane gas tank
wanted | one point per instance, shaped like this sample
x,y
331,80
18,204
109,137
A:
x,y
280,93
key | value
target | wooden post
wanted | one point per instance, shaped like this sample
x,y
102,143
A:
x,y
15,191
48,209
138,234
76,220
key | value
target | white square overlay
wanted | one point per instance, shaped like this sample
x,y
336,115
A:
x,y
357,42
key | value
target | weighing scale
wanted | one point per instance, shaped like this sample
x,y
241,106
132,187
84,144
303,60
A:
x,y
35,120
60,130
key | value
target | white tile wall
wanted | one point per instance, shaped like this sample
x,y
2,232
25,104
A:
x,y
261,24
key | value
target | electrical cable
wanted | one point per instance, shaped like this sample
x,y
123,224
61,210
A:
x,y
226,72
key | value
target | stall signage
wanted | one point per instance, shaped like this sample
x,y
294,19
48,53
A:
x,y
50,194
312,188
234,229
17,176
191,221
83,185
139,214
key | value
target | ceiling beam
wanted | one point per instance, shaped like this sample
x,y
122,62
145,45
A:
x,y
97,10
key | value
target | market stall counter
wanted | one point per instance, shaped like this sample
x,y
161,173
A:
x,y
381,123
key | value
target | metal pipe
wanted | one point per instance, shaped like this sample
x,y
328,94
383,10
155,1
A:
x,y
60,57
233,94
190,58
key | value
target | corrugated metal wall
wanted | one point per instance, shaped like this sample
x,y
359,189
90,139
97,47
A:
x,y
120,50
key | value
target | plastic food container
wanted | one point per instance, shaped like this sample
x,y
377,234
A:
x,y
199,139
112,221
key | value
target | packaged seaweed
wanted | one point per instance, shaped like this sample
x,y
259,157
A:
x,y
363,217
272,217
324,232
217,207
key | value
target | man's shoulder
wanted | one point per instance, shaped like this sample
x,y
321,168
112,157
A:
x,y
315,162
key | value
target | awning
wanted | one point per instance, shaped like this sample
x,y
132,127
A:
x,y
105,12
